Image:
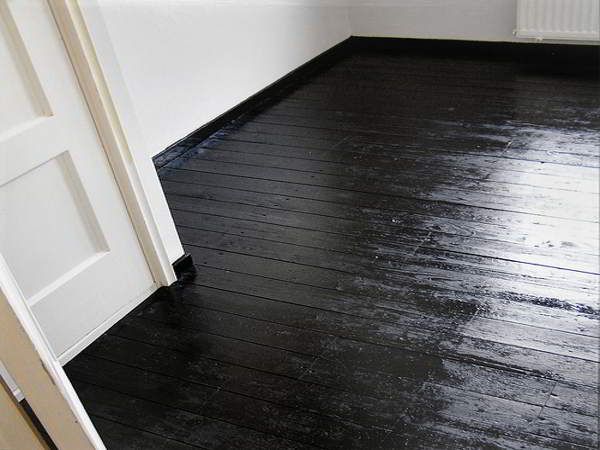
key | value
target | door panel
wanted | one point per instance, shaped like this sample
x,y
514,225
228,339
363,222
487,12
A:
x,y
66,244
20,86
64,229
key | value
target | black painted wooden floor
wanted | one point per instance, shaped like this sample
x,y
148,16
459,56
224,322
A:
x,y
400,253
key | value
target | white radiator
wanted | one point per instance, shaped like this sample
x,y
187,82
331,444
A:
x,y
558,19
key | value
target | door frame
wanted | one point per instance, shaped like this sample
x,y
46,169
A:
x,y
16,427
26,354
70,21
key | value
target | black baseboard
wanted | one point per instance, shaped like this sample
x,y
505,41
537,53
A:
x,y
183,265
556,58
275,89
580,56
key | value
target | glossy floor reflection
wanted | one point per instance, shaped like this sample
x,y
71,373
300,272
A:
x,y
402,252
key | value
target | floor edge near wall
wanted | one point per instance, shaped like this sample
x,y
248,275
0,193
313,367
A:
x,y
568,58
276,88
581,55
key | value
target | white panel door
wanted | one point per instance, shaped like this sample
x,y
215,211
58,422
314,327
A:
x,y
64,229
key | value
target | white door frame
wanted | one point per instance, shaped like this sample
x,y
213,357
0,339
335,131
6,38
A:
x,y
16,428
72,26
40,377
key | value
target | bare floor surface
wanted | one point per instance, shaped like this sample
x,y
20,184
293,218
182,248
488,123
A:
x,y
402,252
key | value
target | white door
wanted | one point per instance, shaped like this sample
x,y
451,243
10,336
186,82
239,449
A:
x,y
64,229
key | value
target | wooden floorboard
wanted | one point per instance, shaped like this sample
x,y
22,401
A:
x,y
402,252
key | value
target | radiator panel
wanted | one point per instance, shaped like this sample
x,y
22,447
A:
x,y
558,19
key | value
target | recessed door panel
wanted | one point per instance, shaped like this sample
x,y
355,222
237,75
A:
x,y
58,245
20,87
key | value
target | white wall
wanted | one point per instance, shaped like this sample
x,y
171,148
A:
x,y
186,62
478,20
482,20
